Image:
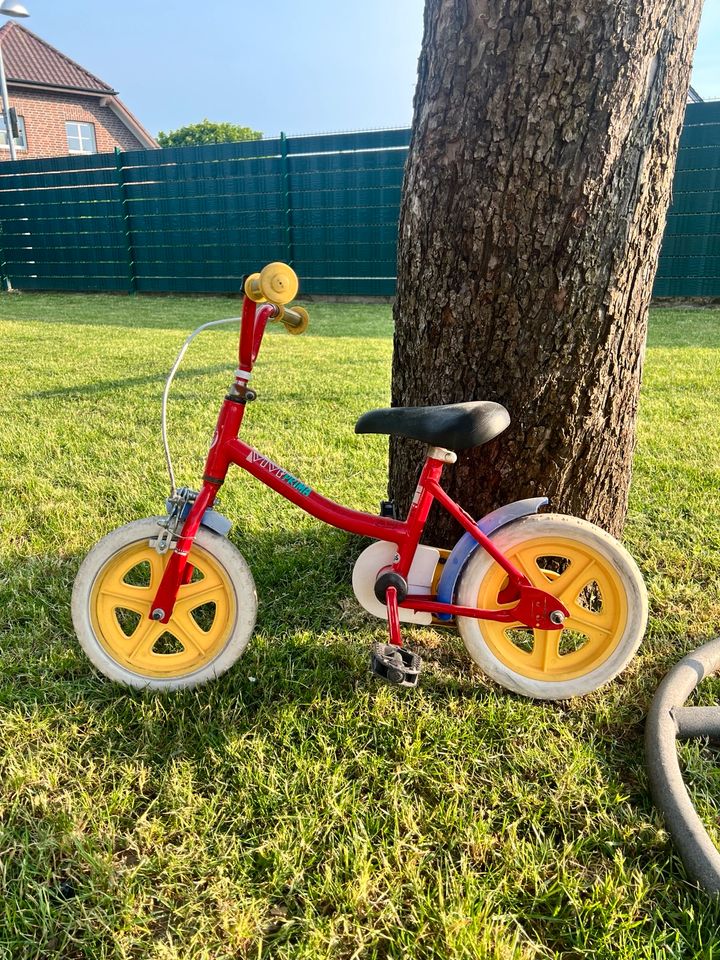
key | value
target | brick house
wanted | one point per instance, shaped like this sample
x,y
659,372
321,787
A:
x,y
62,108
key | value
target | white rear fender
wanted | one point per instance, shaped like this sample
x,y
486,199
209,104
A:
x,y
382,554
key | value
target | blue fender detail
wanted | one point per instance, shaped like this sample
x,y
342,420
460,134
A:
x,y
211,519
216,522
467,544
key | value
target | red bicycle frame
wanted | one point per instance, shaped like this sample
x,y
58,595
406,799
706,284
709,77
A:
x,y
533,606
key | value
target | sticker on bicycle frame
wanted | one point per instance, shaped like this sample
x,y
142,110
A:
x,y
280,473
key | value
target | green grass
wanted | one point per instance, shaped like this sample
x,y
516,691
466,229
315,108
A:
x,y
295,808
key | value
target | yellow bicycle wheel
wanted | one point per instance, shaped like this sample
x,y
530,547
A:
x,y
591,574
210,626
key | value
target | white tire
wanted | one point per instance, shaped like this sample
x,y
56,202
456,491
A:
x,y
596,579
212,622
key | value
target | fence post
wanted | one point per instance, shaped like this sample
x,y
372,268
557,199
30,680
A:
x,y
289,244
4,275
132,278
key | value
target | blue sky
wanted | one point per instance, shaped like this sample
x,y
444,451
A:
x,y
706,66
302,67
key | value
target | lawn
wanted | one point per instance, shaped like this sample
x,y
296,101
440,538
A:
x,y
296,808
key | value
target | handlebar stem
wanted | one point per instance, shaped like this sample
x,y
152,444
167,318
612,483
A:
x,y
261,319
252,328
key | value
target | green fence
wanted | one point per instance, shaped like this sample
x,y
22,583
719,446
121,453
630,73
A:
x,y
690,255
196,219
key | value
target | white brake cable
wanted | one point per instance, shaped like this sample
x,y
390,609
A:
x,y
166,392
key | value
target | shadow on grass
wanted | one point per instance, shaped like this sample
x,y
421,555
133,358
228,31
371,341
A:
x,y
299,703
111,386
310,652
183,314
312,639
117,310
679,327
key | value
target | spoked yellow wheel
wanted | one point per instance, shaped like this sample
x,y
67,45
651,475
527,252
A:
x,y
211,624
591,574
198,629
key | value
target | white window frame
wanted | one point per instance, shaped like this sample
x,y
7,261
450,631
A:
x,y
20,139
78,135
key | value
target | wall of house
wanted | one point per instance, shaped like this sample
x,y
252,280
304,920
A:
x,y
45,113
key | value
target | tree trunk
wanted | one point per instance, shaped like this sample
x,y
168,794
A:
x,y
536,188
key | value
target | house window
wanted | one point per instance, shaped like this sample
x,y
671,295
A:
x,y
80,137
20,139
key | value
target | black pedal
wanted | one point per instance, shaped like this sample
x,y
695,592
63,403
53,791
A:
x,y
387,509
395,665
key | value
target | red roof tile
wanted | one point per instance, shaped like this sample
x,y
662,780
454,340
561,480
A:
x,y
29,59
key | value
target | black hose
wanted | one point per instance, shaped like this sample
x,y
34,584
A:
x,y
668,721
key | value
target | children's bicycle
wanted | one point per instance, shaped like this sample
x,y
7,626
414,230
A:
x,y
549,606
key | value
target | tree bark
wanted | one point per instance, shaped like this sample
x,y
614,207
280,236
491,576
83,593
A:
x,y
537,184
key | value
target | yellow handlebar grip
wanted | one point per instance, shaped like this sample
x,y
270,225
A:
x,y
302,316
278,283
253,289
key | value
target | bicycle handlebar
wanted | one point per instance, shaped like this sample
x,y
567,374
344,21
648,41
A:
x,y
296,319
277,284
